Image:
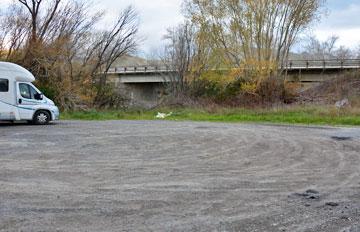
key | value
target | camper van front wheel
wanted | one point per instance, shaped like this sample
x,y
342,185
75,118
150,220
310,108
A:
x,y
41,117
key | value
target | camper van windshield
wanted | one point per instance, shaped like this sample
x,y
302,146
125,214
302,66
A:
x,y
4,85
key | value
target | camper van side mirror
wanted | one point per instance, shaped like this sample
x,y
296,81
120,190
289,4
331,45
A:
x,y
38,96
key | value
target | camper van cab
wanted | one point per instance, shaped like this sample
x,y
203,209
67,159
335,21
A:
x,y
20,100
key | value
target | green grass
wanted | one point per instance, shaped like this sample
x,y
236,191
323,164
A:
x,y
314,115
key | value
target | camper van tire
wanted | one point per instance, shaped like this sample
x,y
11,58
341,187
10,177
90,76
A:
x,y
41,117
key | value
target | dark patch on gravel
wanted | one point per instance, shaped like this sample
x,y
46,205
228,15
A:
x,y
309,194
202,128
341,138
332,204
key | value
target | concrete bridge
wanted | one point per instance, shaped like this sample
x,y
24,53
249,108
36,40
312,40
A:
x,y
314,71
145,84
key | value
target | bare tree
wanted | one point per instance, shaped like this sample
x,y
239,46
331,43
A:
x,y
39,25
344,53
13,31
58,41
179,54
258,31
3,35
315,49
328,49
357,52
121,39
188,53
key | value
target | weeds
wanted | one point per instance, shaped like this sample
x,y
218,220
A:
x,y
319,115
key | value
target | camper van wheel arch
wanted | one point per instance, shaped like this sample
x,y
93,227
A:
x,y
42,117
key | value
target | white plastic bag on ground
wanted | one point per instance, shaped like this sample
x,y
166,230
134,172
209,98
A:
x,y
163,115
343,103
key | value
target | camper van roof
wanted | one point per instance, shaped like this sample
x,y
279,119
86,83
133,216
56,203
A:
x,y
17,72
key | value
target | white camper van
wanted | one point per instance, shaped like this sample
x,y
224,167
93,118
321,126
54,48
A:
x,y
20,100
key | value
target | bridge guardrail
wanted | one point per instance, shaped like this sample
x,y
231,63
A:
x,y
323,64
290,65
141,69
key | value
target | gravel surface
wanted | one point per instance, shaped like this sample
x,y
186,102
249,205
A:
x,y
178,176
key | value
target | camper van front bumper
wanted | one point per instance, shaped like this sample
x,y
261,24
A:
x,y
56,113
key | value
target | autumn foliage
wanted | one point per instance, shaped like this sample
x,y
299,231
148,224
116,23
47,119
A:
x,y
58,41
238,48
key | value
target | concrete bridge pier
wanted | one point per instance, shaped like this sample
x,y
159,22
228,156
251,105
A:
x,y
142,89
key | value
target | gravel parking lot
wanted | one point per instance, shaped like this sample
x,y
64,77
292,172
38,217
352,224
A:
x,y
178,176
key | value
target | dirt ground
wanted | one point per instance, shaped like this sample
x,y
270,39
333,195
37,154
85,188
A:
x,y
178,176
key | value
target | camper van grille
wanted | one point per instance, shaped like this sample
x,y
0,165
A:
x,y
4,85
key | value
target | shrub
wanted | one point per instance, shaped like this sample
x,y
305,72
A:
x,y
110,98
276,90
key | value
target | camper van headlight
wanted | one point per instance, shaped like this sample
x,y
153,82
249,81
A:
x,y
51,103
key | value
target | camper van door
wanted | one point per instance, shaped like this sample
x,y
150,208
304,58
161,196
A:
x,y
26,100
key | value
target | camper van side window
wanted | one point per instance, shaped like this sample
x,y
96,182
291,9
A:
x,y
33,92
25,90
4,85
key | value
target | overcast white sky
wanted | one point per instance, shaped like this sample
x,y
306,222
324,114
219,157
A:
x,y
343,19
156,16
